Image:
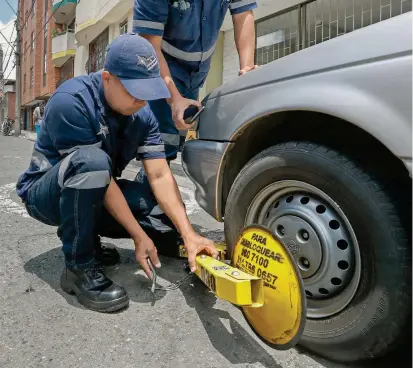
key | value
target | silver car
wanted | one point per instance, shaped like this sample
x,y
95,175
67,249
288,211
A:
x,y
317,146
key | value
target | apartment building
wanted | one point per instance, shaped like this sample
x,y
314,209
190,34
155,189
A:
x,y
63,38
47,50
98,22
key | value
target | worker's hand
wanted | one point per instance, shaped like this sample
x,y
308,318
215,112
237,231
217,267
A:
x,y
178,107
196,244
247,69
145,248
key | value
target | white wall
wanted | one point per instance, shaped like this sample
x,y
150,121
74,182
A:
x,y
265,8
231,59
82,52
114,30
9,88
81,57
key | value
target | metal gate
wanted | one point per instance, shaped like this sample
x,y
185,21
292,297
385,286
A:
x,y
318,21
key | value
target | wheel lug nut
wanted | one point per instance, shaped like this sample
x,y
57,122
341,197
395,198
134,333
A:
x,y
306,263
305,235
281,230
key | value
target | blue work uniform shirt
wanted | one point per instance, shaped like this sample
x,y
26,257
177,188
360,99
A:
x,y
78,115
190,30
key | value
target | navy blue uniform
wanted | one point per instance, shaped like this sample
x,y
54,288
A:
x,y
82,144
190,30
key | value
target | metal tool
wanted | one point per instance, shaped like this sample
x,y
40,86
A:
x,y
153,287
171,286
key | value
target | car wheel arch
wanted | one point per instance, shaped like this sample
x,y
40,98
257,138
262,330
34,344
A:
x,y
282,126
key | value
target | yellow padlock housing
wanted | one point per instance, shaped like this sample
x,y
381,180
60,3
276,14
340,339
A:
x,y
229,283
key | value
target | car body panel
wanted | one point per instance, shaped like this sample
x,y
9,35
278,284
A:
x,y
363,77
201,161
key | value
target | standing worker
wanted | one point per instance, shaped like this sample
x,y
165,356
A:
x,y
93,127
184,34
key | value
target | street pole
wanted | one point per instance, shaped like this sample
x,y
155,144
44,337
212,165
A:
x,y
1,86
17,126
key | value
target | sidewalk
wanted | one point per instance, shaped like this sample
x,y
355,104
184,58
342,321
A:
x,y
31,136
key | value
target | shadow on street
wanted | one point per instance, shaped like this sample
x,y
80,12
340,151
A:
x,y
235,344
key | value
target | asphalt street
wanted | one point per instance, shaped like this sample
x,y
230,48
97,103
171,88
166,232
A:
x,y
41,326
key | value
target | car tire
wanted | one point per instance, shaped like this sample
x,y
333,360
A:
x,y
377,316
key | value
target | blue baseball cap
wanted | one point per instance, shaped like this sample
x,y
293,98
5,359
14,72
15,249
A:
x,y
133,60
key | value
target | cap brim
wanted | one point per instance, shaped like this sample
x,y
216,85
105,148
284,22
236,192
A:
x,y
146,89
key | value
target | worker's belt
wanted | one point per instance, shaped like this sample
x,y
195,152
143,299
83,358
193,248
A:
x,y
187,56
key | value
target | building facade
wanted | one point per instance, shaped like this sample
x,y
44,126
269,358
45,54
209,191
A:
x,y
66,38
47,50
98,22
8,109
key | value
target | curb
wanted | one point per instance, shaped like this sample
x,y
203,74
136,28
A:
x,y
28,135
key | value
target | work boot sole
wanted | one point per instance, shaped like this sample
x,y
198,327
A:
x,y
103,307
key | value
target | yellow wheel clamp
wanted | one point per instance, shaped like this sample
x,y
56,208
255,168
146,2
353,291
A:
x,y
263,281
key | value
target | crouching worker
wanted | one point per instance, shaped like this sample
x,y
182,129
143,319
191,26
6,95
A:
x,y
93,127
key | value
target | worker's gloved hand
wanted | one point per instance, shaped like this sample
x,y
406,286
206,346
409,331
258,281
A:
x,y
178,107
196,244
145,248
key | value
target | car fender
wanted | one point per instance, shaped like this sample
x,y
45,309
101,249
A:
x,y
367,111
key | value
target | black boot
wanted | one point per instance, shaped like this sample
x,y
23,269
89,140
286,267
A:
x,y
107,256
94,290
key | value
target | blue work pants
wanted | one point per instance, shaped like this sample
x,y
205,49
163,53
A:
x,y
70,195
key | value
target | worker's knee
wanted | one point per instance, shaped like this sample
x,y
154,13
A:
x,y
86,168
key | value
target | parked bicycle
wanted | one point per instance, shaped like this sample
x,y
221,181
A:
x,y
6,126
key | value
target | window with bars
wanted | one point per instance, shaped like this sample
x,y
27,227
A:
x,y
97,52
24,83
31,78
123,27
46,16
71,26
32,40
45,61
45,40
66,71
318,21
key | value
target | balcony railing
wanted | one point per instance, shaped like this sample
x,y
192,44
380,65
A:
x,y
63,47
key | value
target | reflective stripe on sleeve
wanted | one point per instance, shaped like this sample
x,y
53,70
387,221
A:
x,y
145,149
187,56
240,3
148,24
